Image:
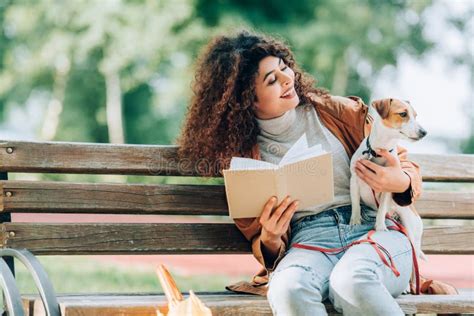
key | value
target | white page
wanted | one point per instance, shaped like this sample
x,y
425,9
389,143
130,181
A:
x,y
301,151
299,146
311,152
239,163
316,149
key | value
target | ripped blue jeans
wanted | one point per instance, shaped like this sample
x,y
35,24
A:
x,y
355,281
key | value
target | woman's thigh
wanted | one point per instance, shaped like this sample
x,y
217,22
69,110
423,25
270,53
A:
x,y
363,257
301,268
304,271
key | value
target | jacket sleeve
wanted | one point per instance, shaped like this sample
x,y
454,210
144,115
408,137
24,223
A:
x,y
413,171
251,229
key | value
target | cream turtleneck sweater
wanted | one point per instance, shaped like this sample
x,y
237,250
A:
x,y
277,135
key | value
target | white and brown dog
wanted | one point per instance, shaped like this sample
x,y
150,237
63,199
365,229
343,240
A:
x,y
396,120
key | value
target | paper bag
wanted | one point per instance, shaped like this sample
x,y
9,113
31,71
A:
x,y
177,305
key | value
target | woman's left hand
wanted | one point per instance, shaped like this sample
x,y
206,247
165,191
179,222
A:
x,y
389,178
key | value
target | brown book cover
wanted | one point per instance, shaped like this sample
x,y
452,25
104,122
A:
x,y
305,173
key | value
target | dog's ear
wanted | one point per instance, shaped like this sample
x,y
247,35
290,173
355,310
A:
x,y
382,107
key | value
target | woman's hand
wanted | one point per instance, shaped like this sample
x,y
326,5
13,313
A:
x,y
275,223
390,178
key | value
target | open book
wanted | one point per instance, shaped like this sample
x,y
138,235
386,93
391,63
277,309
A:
x,y
304,173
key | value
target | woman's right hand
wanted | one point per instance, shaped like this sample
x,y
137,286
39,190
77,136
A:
x,y
275,222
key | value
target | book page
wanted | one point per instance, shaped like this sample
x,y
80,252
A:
x,y
239,163
314,151
299,146
301,151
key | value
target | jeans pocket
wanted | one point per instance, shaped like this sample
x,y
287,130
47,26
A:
x,y
312,221
368,215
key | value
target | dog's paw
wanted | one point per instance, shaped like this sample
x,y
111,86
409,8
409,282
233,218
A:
x,y
381,227
355,220
355,214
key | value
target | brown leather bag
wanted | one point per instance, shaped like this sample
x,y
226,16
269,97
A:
x,y
434,287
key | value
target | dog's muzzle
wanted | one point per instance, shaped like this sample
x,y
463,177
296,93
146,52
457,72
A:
x,y
421,133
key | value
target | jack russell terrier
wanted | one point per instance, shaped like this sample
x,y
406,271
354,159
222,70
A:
x,y
396,120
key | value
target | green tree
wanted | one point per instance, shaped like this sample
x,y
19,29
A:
x,y
86,56
343,43
463,24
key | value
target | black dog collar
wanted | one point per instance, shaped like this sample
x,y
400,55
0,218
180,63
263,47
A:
x,y
370,151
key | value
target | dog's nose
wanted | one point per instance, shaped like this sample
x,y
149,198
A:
x,y
422,132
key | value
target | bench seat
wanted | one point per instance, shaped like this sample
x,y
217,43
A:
x,y
224,303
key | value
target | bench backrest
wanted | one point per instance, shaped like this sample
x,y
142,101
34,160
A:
x,y
206,234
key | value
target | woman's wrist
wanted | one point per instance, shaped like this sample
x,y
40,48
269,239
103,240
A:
x,y
405,182
271,245
270,240
270,248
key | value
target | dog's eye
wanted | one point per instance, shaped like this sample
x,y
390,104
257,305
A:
x,y
403,114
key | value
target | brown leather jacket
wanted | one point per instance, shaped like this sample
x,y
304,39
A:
x,y
348,120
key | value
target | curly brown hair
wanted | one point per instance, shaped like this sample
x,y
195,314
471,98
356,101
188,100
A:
x,y
220,121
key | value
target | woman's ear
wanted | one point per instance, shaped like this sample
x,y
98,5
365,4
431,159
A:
x,y
255,105
255,101
383,107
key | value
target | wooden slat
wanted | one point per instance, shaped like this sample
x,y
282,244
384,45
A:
x,y
448,240
231,304
445,168
110,305
28,305
79,239
427,304
91,158
62,157
60,197
440,204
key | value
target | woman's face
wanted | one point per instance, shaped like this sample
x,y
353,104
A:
x,y
274,86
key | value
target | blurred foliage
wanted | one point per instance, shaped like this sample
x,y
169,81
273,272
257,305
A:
x,y
60,56
464,24
342,43
89,275
65,50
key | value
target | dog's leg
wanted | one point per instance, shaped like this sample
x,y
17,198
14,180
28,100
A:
x,y
355,199
385,201
414,226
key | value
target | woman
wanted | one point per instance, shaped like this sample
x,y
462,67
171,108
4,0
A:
x,y
251,100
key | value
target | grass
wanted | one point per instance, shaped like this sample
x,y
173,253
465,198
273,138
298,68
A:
x,y
82,274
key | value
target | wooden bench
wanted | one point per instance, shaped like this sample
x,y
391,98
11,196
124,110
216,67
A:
x,y
177,238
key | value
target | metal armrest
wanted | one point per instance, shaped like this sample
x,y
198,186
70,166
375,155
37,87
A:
x,y
44,286
11,293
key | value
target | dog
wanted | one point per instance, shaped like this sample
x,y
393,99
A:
x,y
394,120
